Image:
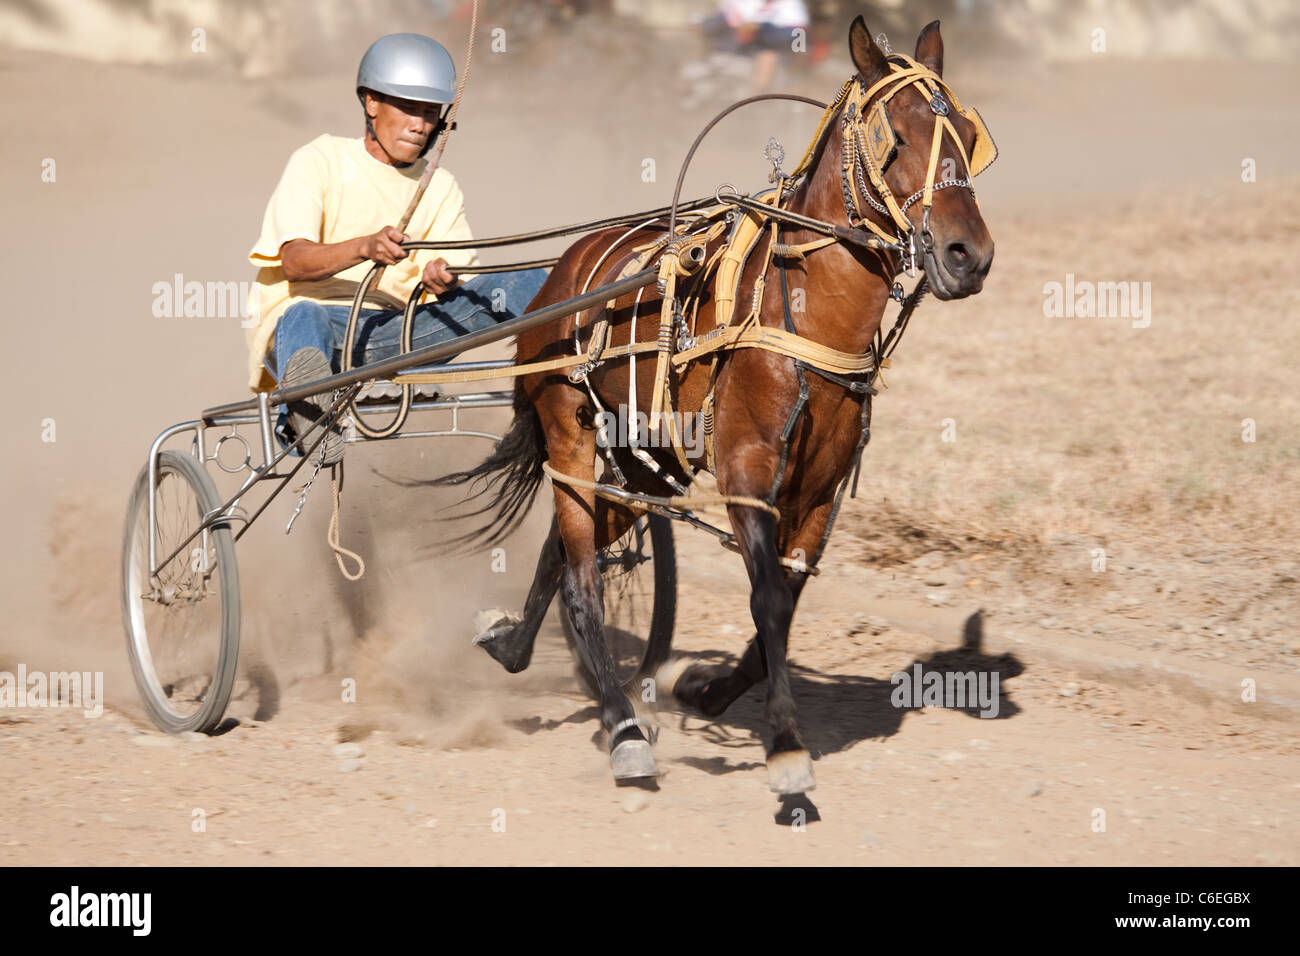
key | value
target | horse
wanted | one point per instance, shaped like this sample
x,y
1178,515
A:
x,y
780,437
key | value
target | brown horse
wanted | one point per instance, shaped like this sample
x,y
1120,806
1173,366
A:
x,y
844,287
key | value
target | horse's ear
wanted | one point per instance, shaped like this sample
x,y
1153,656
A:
x,y
929,47
866,55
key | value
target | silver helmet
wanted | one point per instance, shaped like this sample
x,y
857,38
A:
x,y
408,66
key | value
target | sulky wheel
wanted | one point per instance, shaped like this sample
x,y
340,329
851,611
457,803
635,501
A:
x,y
182,629
640,573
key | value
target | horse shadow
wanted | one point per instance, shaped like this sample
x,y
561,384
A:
x,y
837,711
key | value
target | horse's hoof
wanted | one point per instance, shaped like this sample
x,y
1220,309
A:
x,y
495,630
633,759
790,772
689,684
490,619
668,674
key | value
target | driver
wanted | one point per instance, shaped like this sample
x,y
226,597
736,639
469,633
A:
x,y
331,217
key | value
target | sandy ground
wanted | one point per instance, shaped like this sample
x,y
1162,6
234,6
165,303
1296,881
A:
x,y
525,780
1122,688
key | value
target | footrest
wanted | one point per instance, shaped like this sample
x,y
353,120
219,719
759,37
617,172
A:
x,y
383,393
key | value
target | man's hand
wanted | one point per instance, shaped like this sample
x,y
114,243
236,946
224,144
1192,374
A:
x,y
382,247
437,278
307,261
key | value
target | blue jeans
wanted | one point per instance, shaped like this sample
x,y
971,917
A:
x,y
768,36
477,304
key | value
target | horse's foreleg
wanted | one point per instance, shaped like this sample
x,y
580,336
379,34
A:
x,y
771,604
711,690
511,644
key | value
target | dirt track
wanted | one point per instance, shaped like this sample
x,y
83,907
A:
x,y
1122,691
1178,784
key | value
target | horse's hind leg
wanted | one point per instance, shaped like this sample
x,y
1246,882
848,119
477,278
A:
x,y
511,643
584,596
711,689
573,453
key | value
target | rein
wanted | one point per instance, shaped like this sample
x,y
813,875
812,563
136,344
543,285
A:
x,y
861,173
682,253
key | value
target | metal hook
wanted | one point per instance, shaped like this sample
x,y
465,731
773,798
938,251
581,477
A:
x,y
774,153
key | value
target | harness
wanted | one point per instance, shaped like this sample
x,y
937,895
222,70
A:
x,y
869,145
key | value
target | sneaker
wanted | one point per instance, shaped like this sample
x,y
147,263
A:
x,y
310,365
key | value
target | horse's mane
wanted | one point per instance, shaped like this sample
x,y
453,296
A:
x,y
820,145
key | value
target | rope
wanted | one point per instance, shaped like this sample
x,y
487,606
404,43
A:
x,y
451,117
673,501
332,534
513,371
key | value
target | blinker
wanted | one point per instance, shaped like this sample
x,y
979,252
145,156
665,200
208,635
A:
x,y
882,143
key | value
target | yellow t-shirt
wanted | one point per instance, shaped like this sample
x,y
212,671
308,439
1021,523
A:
x,y
332,190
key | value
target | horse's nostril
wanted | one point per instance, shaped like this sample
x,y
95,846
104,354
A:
x,y
957,258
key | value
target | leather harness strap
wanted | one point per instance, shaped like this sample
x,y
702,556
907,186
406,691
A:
x,y
683,253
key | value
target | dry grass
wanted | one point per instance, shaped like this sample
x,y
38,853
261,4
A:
x,y
1090,427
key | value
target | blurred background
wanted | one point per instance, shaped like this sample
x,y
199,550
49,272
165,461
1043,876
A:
x,y
1141,141
264,39
145,136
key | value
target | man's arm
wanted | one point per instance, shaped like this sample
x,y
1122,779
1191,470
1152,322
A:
x,y
304,260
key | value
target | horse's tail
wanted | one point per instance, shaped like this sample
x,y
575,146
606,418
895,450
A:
x,y
510,476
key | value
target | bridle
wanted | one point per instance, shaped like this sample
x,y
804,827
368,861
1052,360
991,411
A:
x,y
868,144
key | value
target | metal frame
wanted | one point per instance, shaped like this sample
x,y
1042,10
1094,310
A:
x,y
268,469
345,386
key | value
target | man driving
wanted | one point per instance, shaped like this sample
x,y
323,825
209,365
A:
x,y
332,217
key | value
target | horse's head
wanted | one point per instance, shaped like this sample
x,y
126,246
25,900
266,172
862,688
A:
x,y
911,153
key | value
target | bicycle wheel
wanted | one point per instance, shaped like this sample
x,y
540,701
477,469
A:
x,y
182,630
640,573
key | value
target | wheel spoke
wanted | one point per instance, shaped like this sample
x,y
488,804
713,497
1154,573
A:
x,y
629,598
